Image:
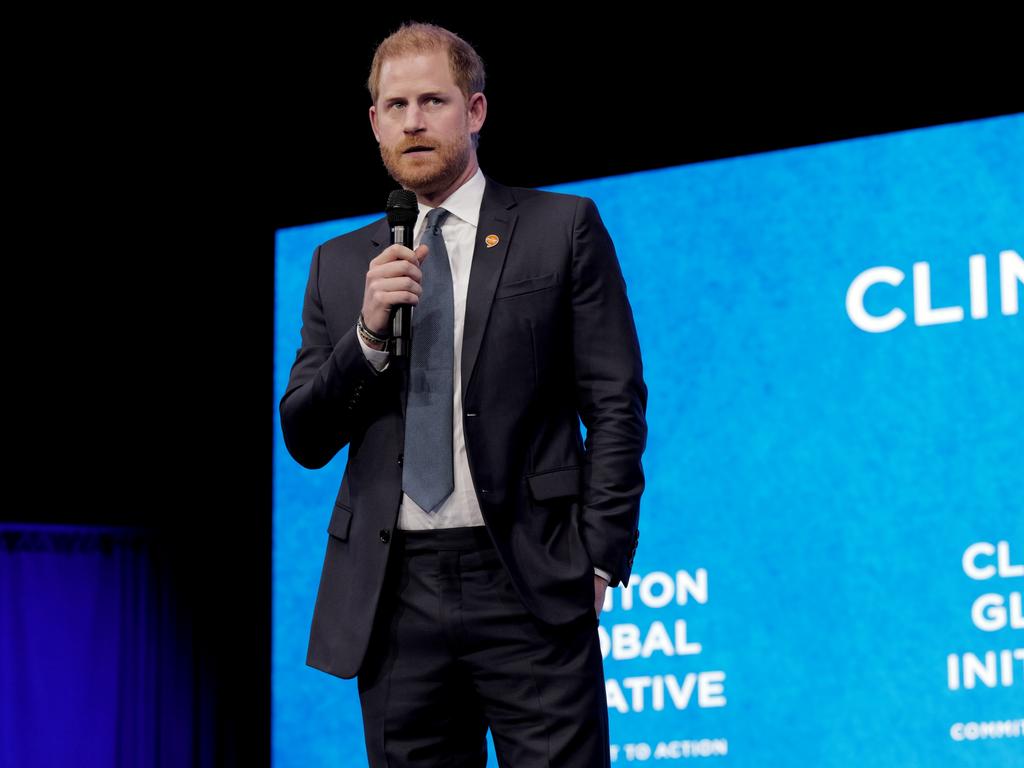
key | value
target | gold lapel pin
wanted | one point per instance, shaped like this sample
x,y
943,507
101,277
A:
x,y
491,240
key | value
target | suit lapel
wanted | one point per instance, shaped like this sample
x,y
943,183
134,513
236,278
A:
x,y
498,218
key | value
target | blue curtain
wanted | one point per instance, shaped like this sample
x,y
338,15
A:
x,y
96,666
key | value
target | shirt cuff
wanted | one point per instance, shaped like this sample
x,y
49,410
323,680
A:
x,y
378,357
603,574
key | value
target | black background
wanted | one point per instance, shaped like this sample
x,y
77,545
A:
x,y
152,167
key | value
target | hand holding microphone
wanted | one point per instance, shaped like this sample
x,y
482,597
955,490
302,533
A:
x,y
394,277
392,280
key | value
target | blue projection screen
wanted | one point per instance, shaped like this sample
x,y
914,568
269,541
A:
x,y
831,560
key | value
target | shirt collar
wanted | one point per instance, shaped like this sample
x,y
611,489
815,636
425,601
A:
x,y
464,202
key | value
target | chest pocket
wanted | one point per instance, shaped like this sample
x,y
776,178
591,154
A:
x,y
526,285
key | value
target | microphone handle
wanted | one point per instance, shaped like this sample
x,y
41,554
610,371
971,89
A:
x,y
401,316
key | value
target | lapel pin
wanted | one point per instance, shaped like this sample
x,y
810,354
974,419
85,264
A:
x,y
491,240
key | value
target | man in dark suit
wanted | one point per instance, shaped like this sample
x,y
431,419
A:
x,y
474,533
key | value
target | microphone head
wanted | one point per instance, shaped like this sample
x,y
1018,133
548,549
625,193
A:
x,y
402,208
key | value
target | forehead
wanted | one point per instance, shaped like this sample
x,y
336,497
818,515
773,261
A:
x,y
417,73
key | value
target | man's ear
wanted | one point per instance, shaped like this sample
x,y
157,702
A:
x,y
477,111
373,122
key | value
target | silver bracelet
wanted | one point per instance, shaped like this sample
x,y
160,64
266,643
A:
x,y
369,335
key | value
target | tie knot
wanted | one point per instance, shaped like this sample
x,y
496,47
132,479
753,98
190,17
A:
x,y
436,217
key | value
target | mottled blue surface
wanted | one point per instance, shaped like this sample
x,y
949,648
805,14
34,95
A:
x,y
97,662
828,479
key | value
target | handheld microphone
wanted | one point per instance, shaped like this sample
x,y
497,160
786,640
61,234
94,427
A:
x,y
402,211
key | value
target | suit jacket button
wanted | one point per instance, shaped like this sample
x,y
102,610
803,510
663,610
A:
x,y
400,456
385,535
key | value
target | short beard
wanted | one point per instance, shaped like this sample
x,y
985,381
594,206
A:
x,y
453,158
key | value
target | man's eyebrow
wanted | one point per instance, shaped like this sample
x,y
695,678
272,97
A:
x,y
425,95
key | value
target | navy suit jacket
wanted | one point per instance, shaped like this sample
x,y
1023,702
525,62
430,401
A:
x,y
549,339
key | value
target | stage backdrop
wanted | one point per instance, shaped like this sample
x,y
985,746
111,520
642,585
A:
x,y
831,556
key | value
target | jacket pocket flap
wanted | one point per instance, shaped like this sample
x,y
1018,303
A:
x,y
525,286
555,483
341,518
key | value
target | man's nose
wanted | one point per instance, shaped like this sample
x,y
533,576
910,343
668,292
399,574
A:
x,y
413,119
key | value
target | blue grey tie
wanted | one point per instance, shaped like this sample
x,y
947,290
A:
x,y
428,474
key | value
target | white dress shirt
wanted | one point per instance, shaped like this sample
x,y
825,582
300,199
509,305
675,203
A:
x,y
458,229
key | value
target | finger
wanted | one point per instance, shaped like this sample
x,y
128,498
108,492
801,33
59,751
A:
x,y
390,284
394,252
397,268
401,297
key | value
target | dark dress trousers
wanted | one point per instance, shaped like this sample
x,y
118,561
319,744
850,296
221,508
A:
x,y
549,339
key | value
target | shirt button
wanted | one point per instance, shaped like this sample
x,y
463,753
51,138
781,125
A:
x,y
385,535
